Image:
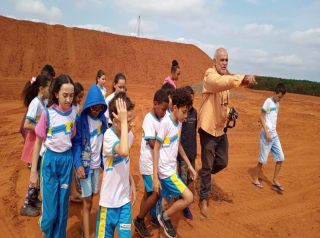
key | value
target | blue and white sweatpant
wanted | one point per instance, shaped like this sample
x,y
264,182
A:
x,y
56,177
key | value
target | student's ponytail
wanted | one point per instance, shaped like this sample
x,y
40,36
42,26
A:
x,y
174,66
31,88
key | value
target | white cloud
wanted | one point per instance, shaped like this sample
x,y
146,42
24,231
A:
x,y
96,27
289,60
258,30
309,37
209,49
167,8
38,8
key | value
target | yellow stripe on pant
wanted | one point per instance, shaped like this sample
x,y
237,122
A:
x,y
102,222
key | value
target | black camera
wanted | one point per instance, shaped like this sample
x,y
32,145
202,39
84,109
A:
x,y
232,117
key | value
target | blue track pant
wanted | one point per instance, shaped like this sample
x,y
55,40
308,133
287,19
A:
x,y
55,187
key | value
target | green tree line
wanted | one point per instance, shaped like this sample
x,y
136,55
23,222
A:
x,y
293,86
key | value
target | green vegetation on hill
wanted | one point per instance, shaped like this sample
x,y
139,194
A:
x,y
292,86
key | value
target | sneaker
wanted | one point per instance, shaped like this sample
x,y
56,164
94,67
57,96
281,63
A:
x,y
187,213
167,226
154,221
141,228
29,211
37,203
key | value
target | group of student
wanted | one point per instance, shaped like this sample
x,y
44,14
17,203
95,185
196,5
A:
x,y
66,146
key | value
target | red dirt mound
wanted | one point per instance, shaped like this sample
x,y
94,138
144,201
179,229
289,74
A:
x,y
237,209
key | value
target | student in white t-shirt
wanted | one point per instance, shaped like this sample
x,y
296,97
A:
x,y
35,95
118,188
87,149
150,127
165,161
269,139
101,81
118,85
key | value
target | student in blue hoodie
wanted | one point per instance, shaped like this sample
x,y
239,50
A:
x,y
87,149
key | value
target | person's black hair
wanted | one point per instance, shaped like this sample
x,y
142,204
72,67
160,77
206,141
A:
x,y
161,96
181,97
174,66
168,88
31,88
116,79
100,73
280,88
78,88
189,89
56,86
48,69
112,104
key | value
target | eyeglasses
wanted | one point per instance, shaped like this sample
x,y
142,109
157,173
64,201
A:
x,y
96,108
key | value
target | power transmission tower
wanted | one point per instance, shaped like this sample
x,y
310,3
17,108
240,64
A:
x,y
139,27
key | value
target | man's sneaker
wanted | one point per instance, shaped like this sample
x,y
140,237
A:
x,y
29,211
187,213
167,226
154,221
37,203
141,228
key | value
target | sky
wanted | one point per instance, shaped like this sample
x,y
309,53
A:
x,y
279,38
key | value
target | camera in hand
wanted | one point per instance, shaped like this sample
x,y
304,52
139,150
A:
x,y
232,117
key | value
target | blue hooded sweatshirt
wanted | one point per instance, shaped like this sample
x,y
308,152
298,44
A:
x,y
81,142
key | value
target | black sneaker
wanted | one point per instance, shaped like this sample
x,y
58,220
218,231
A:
x,y
37,203
154,221
167,226
141,228
29,211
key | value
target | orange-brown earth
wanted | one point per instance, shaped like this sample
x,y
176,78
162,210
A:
x,y
238,209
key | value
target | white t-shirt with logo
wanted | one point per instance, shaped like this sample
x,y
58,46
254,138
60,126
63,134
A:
x,y
35,109
60,129
169,135
150,127
115,187
96,139
271,109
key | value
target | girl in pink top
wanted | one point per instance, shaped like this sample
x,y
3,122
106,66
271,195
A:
x,y
34,94
56,128
175,73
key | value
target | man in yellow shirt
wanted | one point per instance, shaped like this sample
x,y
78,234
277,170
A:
x,y
213,115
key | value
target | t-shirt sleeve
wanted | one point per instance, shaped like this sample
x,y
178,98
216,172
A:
x,y
109,143
148,129
163,131
266,106
32,112
41,127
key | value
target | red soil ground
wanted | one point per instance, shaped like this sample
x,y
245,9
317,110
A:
x,y
238,209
